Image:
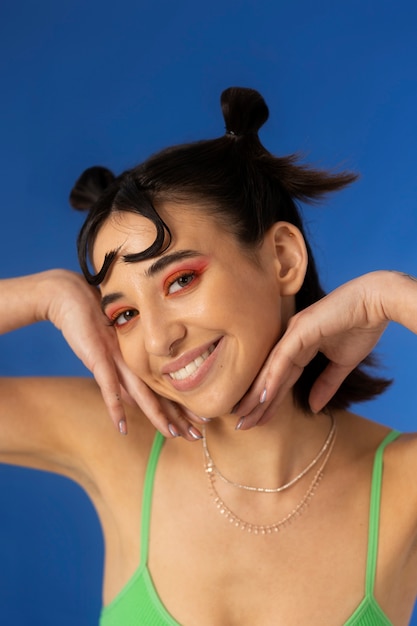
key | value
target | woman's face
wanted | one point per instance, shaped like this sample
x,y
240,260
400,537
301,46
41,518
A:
x,y
197,322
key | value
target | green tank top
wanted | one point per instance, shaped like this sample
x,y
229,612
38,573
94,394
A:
x,y
138,603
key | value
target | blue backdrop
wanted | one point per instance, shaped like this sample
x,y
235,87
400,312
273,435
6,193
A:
x,y
99,82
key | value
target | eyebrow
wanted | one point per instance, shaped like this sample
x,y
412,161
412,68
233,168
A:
x,y
167,259
109,299
158,266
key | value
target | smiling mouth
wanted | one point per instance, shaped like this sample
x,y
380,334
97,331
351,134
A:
x,y
193,366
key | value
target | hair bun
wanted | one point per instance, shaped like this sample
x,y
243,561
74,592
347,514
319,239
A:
x,y
92,183
244,110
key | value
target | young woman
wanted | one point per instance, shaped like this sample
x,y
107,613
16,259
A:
x,y
202,266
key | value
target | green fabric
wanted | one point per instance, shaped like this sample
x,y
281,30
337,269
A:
x,y
369,613
138,603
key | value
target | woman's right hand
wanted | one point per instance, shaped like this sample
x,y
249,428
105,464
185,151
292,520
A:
x,y
77,313
65,299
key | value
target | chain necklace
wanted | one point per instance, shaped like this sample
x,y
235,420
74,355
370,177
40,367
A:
x,y
264,529
211,468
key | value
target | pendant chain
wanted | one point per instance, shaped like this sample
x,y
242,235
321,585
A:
x,y
212,468
264,529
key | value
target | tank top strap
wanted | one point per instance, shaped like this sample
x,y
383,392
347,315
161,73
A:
x,y
147,497
374,512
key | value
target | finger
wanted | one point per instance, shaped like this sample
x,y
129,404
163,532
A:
x,y
147,401
263,412
166,416
254,396
106,377
127,398
259,392
142,396
326,385
282,368
273,383
197,420
178,422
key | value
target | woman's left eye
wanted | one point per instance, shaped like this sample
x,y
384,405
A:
x,y
180,282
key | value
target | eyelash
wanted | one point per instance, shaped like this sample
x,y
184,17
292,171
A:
x,y
114,320
175,278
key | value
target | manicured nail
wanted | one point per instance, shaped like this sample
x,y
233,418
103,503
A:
x,y
205,419
240,423
263,396
173,430
122,427
194,433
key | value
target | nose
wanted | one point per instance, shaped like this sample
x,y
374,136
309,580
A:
x,y
162,332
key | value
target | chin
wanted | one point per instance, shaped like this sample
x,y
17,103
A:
x,y
211,408
209,403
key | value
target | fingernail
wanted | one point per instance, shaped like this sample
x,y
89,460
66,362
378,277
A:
x,y
240,423
122,427
263,396
173,430
205,419
194,433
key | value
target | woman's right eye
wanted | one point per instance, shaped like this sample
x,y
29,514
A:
x,y
123,318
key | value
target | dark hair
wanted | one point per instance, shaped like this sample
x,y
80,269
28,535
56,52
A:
x,y
237,181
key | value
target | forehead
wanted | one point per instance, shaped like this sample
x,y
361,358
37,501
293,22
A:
x,y
130,233
124,232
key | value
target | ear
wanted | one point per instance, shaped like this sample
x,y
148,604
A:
x,y
290,256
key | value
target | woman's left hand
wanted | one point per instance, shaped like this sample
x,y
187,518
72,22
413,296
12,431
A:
x,y
345,326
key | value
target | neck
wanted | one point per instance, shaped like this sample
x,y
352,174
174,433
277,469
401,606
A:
x,y
271,454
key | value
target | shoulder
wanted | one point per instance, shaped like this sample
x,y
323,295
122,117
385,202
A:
x,y
400,464
362,436
398,467
359,441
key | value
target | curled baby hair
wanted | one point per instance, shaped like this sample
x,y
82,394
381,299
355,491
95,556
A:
x,y
100,192
237,181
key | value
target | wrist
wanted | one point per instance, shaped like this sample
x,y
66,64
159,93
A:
x,y
25,300
400,298
49,291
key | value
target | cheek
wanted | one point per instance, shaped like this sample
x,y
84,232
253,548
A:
x,y
133,355
259,326
257,308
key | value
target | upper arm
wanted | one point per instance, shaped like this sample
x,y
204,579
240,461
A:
x,y
48,423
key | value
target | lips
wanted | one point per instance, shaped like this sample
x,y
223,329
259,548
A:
x,y
193,366
188,371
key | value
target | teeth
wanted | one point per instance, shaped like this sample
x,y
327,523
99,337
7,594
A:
x,y
193,366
